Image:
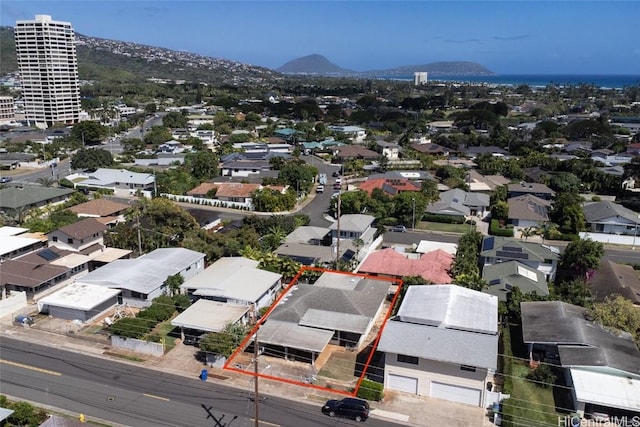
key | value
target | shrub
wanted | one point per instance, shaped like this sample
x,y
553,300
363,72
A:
x,y
496,230
66,183
131,327
596,199
371,390
543,376
446,219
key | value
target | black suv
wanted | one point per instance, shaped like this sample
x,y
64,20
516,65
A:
x,y
349,407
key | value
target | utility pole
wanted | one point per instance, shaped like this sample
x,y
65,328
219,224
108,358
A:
x,y
256,397
338,231
139,238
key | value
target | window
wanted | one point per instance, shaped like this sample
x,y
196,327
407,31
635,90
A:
x,y
407,359
55,238
70,241
467,368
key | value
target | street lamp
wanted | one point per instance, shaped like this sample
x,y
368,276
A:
x,y
635,234
413,214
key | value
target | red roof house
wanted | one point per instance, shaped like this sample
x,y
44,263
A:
x,y
432,266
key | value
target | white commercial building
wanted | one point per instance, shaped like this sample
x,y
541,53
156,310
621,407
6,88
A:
x,y
48,68
420,78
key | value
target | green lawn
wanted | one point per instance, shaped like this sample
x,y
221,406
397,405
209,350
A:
x,y
163,329
536,406
440,226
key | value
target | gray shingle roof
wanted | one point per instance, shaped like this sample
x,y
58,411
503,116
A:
x,y
14,197
353,222
598,211
445,345
580,342
492,245
503,275
528,207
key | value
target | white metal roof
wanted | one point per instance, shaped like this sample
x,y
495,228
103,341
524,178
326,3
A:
x,y
72,260
606,390
144,274
11,231
429,245
209,316
450,307
290,335
233,278
9,243
78,296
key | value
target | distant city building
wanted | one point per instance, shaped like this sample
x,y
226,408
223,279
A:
x,y
420,78
48,68
7,110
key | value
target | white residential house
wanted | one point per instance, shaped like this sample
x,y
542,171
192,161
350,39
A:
x,y
496,249
443,343
120,181
611,218
235,280
352,227
354,133
79,236
142,279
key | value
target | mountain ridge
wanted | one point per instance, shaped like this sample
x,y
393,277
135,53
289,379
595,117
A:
x,y
113,60
319,65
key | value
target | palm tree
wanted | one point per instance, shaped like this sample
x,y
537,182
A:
x,y
46,181
528,232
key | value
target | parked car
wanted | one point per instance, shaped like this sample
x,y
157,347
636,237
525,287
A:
x,y
335,194
322,179
337,186
399,229
320,189
5,179
349,407
335,174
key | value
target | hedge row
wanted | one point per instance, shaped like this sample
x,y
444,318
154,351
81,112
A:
x,y
446,219
371,390
496,230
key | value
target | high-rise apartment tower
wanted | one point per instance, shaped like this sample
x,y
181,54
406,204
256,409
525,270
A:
x,y
48,67
419,78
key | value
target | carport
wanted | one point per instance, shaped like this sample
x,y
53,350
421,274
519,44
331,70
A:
x,y
291,341
209,316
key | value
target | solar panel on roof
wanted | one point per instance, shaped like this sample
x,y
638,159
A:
x,y
487,243
48,254
515,255
511,249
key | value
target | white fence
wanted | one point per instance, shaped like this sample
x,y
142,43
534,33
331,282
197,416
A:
x,y
12,303
208,202
617,239
138,346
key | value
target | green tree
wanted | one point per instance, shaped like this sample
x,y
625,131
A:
x,y
157,135
225,342
500,210
175,120
567,212
619,314
89,132
92,159
173,284
564,182
471,281
580,257
202,165
26,415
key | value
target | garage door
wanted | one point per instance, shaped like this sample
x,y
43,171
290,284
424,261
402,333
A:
x,y
400,383
456,393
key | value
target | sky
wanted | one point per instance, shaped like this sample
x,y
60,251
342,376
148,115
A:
x,y
507,37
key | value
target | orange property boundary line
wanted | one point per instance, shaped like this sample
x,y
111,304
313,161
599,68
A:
x,y
304,269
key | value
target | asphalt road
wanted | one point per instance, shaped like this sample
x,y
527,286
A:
x,y
134,396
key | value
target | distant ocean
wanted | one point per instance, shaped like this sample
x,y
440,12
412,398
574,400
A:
x,y
537,80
